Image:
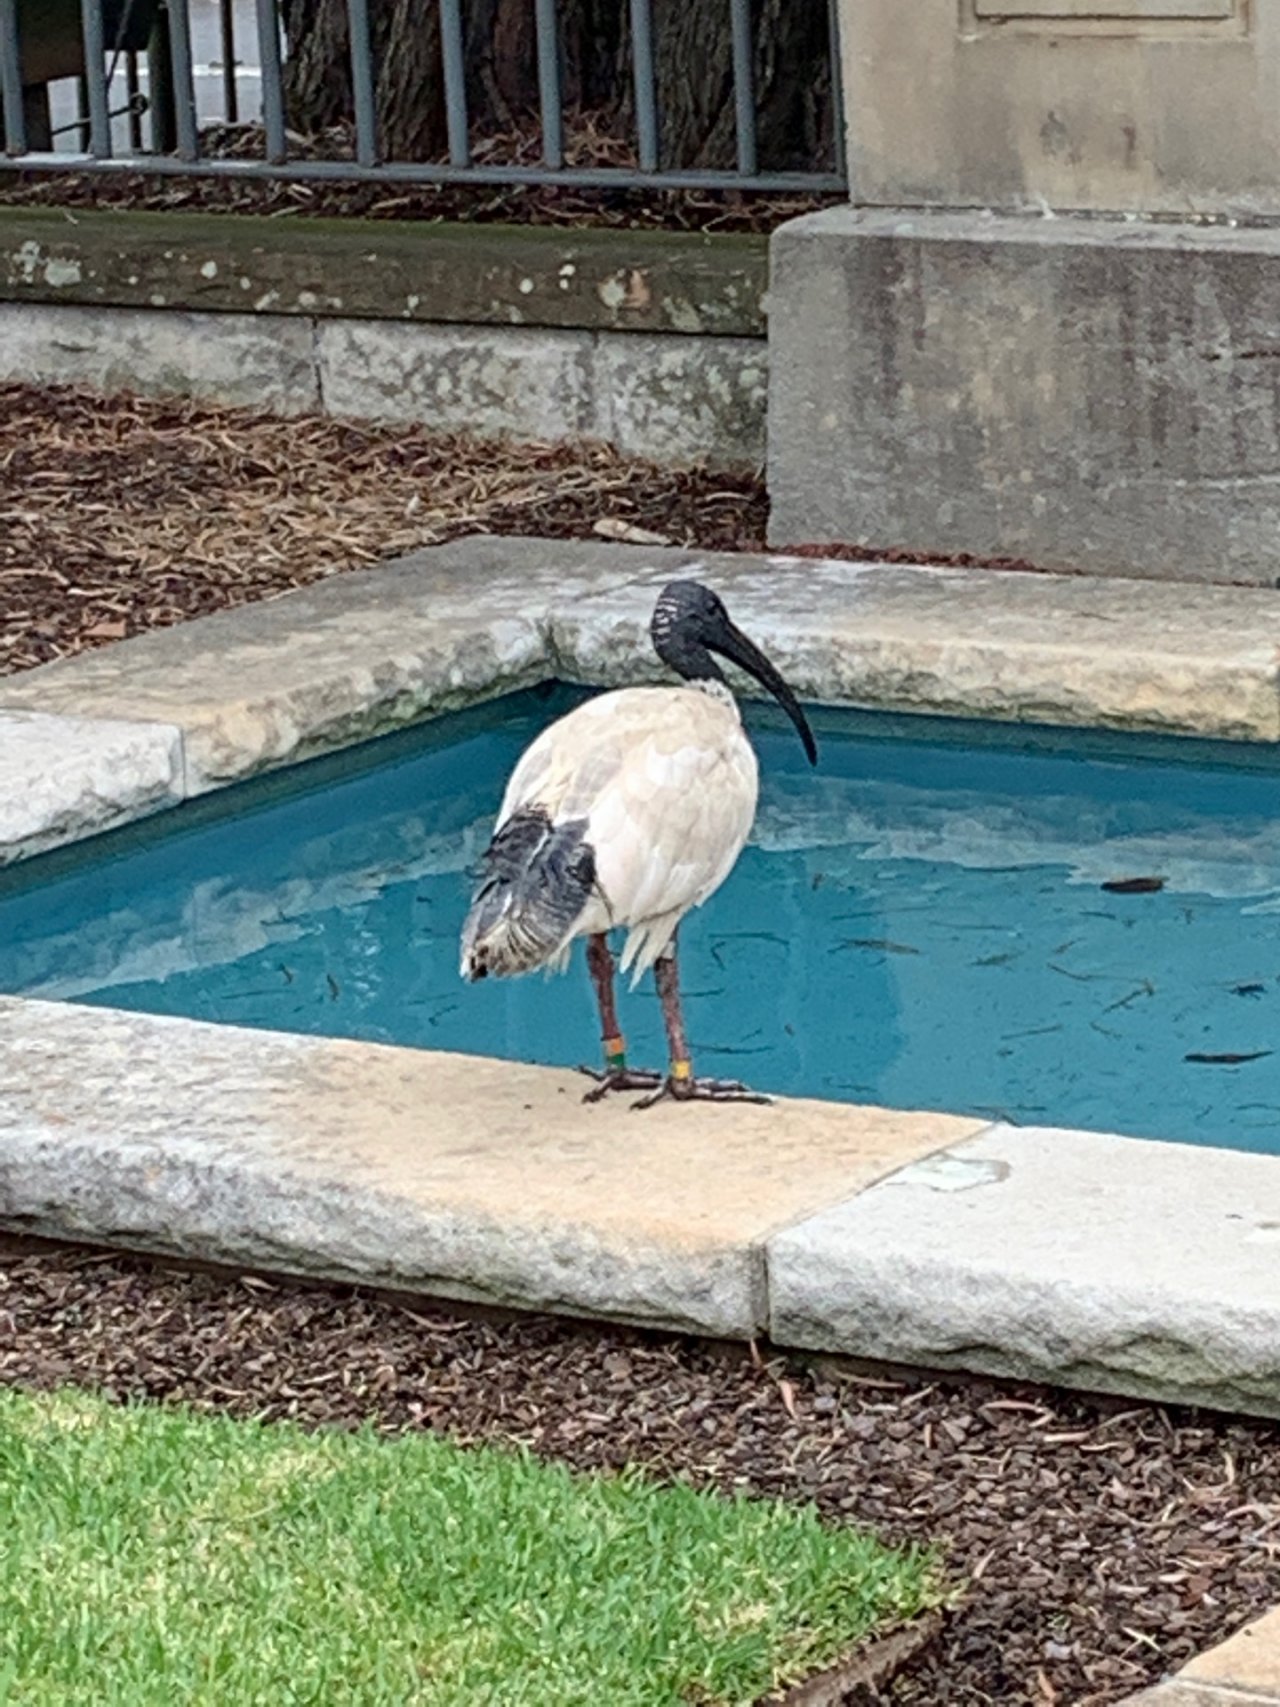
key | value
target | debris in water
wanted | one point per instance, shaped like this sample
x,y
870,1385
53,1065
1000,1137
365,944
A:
x,y
881,944
1079,977
333,986
1227,1059
1134,885
1145,988
1249,990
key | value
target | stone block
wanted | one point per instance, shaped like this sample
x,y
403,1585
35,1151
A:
x,y
259,361
444,1174
1032,648
1083,394
1113,1264
389,269
1154,105
1249,1660
682,399
493,381
629,351
1178,1693
64,778
327,666
361,654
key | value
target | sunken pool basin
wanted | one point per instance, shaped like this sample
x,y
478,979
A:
x,y
1035,926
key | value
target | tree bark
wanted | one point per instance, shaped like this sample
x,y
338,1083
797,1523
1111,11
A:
x,y
791,76
693,67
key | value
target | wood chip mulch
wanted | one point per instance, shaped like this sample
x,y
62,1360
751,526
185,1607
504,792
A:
x,y
123,514
589,141
1102,1542
482,204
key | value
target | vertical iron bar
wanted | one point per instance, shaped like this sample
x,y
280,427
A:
x,y
15,121
37,115
837,89
455,83
362,82
184,88
160,101
82,115
95,79
272,83
744,94
646,96
227,36
133,91
549,84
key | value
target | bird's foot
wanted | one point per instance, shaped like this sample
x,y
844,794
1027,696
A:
x,y
619,1079
683,1088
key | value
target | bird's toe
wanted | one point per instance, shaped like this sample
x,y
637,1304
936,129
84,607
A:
x,y
619,1079
701,1090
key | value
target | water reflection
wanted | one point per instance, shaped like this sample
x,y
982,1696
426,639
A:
x,y
918,923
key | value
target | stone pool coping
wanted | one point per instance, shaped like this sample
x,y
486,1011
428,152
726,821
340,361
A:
x,y
927,1239
359,654
914,1238
1243,1671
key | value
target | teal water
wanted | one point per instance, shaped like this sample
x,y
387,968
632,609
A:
x,y
920,922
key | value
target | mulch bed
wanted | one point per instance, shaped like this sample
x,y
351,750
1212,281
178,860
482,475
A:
x,y
123,514
532,204
1103,1542
589,142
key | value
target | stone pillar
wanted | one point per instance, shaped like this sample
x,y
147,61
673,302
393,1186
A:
x,y
1146,106
1048,327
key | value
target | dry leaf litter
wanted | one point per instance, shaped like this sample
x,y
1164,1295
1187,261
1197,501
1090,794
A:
x,y
123,514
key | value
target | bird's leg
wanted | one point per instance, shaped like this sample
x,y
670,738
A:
x,y
680,1083
617,1076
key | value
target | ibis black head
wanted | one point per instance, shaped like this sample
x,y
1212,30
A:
x,y
690,623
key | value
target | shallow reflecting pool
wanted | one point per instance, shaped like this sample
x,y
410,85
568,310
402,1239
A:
x,y
930,919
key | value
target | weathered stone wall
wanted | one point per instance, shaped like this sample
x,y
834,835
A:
x,y
1120,105
652,341
1049,327
1087,394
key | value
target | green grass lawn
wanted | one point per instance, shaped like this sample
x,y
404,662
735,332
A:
x,y
150,1555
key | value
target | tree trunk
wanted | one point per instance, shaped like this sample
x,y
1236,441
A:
x,y
791,75
693,63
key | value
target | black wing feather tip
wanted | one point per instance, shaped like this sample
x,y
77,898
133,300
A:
x,y
537,877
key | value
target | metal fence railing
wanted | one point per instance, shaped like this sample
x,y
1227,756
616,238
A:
x,y
110,85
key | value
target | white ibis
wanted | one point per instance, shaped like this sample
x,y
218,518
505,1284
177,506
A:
x,y
629,811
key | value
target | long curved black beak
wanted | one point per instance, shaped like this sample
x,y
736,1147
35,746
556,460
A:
x,y
732,643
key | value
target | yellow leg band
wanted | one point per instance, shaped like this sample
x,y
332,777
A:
x,y
682,1069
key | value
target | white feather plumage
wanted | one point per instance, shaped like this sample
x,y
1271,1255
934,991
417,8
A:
x,y
667,782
